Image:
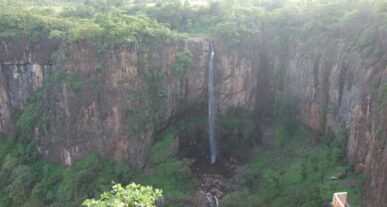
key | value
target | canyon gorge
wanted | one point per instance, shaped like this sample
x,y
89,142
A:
x,y
75,100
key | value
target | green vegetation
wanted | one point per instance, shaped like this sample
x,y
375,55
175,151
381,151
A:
x,y
237,130
130,196
298,173
27,180
244,22
170,174
80,22
182,62
247,23
285,109
41,183
301,167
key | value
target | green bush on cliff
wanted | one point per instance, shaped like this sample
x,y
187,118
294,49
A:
x,y
161,150
182,61
168,173
28,118
132,195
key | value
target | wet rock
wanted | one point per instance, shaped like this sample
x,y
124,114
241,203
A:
x,y
215,184
160,201
203,199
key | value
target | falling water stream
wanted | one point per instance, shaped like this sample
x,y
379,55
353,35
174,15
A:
x,y
216,201
211,107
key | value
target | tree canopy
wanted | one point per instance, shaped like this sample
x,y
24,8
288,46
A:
x,y
132,195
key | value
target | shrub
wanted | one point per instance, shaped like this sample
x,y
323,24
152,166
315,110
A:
x,y
285,109
182,61
133,195
28,118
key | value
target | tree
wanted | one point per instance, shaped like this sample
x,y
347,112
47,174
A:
x,y
133,195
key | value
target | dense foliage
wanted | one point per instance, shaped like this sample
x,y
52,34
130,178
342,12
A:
x,y
41,183
132,195
284,22
78,22
236,22
297,172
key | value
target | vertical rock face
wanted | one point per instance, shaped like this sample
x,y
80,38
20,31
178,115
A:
x,y
117,100
98,102
22,68
339,88
243,78
112,103
18,82
237,79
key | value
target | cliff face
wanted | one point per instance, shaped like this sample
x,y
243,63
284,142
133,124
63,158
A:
x,y
112,103
22,70
340,88
103,114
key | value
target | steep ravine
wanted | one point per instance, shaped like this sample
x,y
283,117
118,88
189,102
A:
x,y
91,101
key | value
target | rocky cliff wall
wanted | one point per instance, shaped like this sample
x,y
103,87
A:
x,y
341,89
106,113
112,103
120,98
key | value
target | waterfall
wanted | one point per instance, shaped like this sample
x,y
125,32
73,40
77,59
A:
x,y
211,107
216,201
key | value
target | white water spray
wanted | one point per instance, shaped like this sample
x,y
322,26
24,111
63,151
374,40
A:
x,y
211,107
